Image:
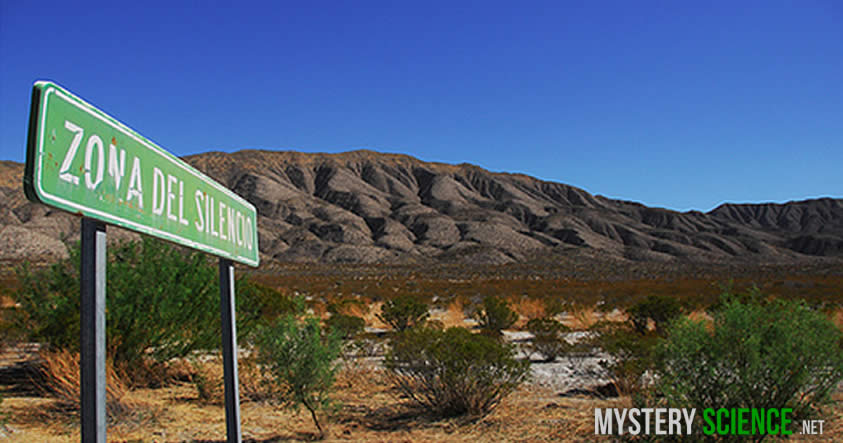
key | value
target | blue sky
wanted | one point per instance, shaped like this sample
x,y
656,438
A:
x,y
677,104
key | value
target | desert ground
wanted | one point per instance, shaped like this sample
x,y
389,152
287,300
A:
x,y
556,403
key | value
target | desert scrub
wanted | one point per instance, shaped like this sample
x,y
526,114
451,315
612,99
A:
x,y
494,316
208,387
548,338
453,372
632,344
403,312
345,325
632,353
661,310
301,357
755,354
162,303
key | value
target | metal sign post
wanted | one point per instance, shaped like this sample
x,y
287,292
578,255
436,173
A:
x,y
81,160
92,335
229,351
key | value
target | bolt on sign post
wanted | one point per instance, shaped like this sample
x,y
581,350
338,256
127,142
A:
x,y
81,160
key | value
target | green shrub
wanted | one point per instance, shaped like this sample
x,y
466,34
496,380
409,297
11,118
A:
x,y
632,354
161,301
631,345
548,339
346,326
660,309
403,312
453,372
49,303
772,355
300,357
751,296
258,304
495,316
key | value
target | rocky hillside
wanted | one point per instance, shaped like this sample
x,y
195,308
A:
x,y
368,207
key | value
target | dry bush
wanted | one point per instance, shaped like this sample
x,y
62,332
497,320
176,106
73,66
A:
x,y
179,370
207,378
360,376
58,377
254,384
548,338
453,372
146,373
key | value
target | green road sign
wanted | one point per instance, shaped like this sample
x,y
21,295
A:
x,y
83,161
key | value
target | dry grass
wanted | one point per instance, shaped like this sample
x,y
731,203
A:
x,y
453,314
54,412
367,409
374,411
371,316
582,317
579,317
359,308
837,317
58,377
206,377
527,309
255,384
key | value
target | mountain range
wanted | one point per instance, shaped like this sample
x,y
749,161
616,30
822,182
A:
x,y
368,207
